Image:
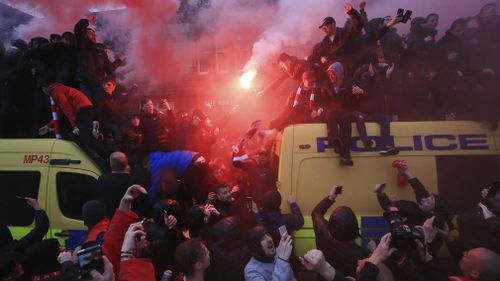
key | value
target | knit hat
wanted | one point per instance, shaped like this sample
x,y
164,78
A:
x,y
271,200
93,212
226,232
343,224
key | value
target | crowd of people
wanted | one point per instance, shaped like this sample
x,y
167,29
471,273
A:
x,y
170,210
366,71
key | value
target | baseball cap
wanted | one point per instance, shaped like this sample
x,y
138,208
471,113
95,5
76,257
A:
x,y
327,20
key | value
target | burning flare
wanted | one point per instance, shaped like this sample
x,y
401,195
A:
x,y
247,78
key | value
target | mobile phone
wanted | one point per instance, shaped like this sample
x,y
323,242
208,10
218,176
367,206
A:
x,y
90,258
338,189
249,200
282,229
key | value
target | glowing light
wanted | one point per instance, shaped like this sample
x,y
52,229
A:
x,y
247,78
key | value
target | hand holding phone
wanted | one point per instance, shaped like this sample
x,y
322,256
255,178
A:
x,y
338,189
282,229
90,259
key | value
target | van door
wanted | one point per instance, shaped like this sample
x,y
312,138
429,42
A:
x,y
23,182
68,190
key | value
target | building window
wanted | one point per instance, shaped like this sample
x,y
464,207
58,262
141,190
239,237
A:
x,y
15,211
223,60
204,61
73,190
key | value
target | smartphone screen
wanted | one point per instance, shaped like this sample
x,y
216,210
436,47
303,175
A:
x,y
282,229
249,202
90,258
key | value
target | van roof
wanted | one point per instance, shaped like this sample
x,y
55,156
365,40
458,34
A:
x,y
27,145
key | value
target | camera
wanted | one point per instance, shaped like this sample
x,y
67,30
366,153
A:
x,y
88,259
405,16
403,235
441,219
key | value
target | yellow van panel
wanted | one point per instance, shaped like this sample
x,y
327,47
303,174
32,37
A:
x,y
25,152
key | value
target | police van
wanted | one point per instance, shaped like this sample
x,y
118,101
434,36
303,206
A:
x,y
56,172
454,159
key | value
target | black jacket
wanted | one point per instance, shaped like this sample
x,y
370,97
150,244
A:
x,y
110,188
132,139
106,107
343,256
60,62
93,64
341,47
273,219
262,178
35,235
476,232
157,131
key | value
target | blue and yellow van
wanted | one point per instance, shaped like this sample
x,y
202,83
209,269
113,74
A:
x,y
454,159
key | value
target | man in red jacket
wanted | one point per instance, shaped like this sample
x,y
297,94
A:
x,y
80,113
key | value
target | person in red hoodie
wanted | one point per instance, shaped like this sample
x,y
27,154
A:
x,y
122,221
131,267
79,111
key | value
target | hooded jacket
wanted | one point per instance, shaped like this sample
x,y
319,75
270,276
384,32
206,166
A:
x,y
263,267
273,218
69,100
339,247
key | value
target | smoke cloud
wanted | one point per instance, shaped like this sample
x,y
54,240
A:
x,y
159,50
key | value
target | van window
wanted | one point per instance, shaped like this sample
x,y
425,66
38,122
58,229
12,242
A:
x,y
14,211
73,190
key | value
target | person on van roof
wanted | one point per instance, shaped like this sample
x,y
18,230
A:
x,y
336,237
80,112
303,106
339,111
